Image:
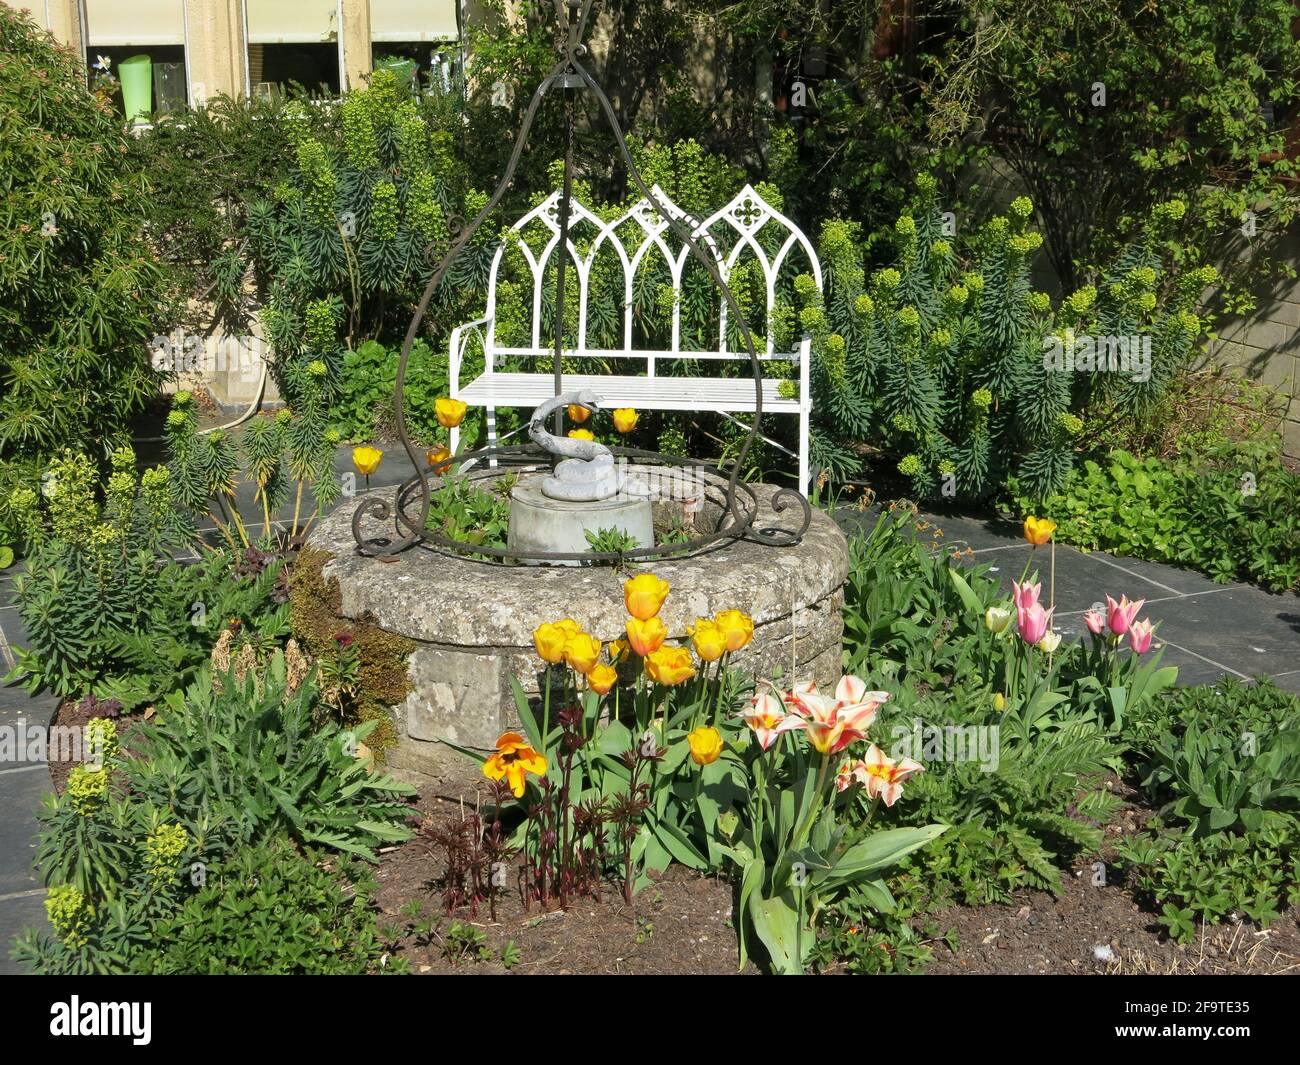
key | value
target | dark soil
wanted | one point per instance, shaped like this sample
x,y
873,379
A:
x,y
70,715
1096,926
1090,929
679,925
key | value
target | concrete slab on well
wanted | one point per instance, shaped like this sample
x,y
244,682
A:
x,y
540,523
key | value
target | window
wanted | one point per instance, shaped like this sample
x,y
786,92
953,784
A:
x,y
142,46
418,37
293,41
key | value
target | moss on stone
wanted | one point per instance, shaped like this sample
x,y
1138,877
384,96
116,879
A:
x,y
316,616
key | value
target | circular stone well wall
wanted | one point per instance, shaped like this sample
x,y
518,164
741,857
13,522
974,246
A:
x,y
472,622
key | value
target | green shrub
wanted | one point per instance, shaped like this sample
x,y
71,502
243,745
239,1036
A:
x,y
949,363
271,910
79,287
1224,760
1229,511
105,607
243,757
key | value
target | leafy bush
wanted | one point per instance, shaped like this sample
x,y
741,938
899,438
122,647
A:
x,y
1229,511
181,856
952,363
241,756
364,407
271,909
105,607
1225,762
79,286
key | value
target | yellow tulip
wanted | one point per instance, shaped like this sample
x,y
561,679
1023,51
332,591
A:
x,y
581,434
578,413
738,627
367,459
646,637
705,744
644,594
512,760
625,419
708,639
450,412
437,458
550,637
618,650
582,652
1039,530
670,666
602,678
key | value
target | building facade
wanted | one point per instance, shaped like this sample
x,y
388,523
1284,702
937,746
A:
x,y
200,48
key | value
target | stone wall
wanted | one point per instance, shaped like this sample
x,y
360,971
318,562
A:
x,y
472,622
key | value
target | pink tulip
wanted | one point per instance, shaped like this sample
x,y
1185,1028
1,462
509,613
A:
x,y
1139,635
1026,594
1095,621
1120,615
1033,622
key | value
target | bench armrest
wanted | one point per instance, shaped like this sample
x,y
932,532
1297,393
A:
x,y
455,351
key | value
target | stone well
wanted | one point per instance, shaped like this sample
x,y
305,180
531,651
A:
x,y
472,622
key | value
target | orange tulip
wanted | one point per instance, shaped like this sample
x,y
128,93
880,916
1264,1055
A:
x,y
625,419
512,760
644,594
582,652
578,413
705,744
550,637
670,666
1039,530
646,637
437,458
708,639
367,459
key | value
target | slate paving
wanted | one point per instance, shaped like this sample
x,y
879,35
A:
x,y
1208,630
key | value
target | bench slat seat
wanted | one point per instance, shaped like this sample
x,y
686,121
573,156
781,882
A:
x,y
645,393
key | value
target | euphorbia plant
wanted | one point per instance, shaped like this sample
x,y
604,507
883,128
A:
x,y
806,835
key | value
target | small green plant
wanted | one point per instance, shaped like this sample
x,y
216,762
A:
x,y
1228,511
610,541
510,955
463,942
1224,760
461,510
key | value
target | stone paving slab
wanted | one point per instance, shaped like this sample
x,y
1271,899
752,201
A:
x,y
1208,630
17,914
21,788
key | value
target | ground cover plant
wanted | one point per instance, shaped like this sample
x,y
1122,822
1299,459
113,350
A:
x,y
1228,511
1223,761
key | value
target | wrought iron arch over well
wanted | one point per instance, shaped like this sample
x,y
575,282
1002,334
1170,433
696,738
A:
x,y
737,504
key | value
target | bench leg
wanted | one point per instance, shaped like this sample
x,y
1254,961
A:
x,y
803,452
492,433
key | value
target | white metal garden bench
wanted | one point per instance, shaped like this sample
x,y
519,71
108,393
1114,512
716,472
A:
x,y
745,216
